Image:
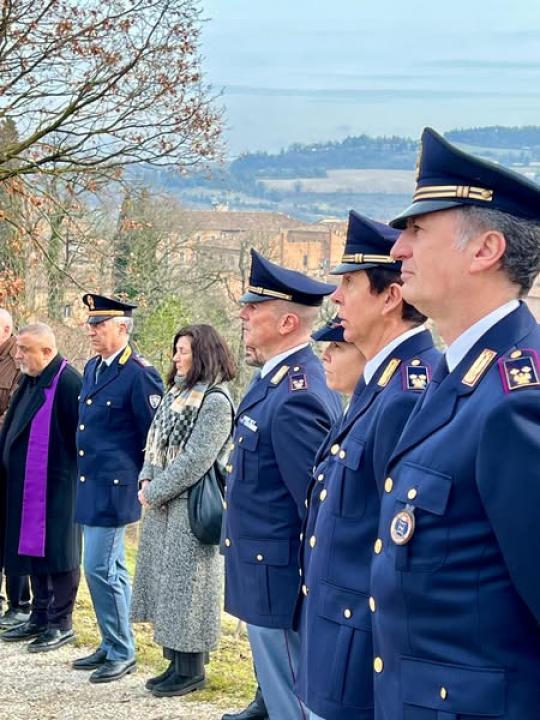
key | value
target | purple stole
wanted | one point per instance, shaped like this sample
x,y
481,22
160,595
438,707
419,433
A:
x,y
34,506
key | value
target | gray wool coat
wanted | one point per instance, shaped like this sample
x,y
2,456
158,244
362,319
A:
x,y
178,581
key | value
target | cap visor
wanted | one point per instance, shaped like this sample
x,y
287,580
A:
x,y
96,319
344,268
249,297
422,207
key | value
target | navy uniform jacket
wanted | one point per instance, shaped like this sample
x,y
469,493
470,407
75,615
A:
x,y
280,423
335,673
456,626
114,418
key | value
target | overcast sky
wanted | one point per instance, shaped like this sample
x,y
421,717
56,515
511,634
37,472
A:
x,y
308,70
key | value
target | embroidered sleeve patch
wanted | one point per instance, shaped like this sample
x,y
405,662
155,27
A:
x,y
520,369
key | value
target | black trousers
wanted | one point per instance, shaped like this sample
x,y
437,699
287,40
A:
x,y
54,598
186,664
17,591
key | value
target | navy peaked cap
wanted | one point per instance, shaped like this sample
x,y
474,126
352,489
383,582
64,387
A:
x,y
331,331
449,178
367,246
102,308
268,281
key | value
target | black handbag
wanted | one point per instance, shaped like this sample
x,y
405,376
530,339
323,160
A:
x,y
206,501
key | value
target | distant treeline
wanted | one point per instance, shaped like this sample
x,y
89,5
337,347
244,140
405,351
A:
x,y
497,136
298,160
509,146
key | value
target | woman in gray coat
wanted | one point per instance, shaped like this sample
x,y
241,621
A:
x,y
177,583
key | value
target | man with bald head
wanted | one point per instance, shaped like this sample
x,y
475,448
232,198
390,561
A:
x,y
38,473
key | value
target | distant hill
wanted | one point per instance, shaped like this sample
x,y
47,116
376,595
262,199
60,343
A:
x,y
373,174
497,136
358,152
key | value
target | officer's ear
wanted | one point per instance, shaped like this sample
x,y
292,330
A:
x,y
393,298
288,323
486,251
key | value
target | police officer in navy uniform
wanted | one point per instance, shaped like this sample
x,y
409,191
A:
x,y
119,397
455,570
281,421
335,675
343,366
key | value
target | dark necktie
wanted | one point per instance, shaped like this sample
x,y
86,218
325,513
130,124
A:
x,y
100,370
440,372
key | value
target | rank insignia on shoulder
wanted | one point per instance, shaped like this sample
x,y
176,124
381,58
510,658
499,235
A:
x,y
279,375
415,375
124,357
143,361
297,379
479,367
388,372
520,369
154,401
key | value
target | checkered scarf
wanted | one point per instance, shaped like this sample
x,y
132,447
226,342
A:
x,y
173,422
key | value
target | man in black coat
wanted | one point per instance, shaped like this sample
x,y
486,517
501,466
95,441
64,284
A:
x,y
38,473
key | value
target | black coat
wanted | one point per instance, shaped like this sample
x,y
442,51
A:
x,y
63,536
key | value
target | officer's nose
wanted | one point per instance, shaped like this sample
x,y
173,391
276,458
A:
x,y
337,296
401,248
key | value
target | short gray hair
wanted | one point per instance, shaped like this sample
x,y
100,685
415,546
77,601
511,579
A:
x,y
127,321
521,260
41,330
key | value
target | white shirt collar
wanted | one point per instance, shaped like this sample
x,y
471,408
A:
x,y
372,365
461,346
109,360
269,365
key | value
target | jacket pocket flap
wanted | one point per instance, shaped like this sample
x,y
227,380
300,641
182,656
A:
x,y
264,552
424,488
351,453
247,439
345,607
453,688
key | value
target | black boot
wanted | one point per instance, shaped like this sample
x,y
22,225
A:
x,y
149,684
176,684
256,710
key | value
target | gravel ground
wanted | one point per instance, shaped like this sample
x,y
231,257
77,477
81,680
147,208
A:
x,y
43,687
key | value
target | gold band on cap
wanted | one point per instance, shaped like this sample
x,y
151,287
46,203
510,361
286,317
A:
x,y
443,192
97,313
358,258
270,293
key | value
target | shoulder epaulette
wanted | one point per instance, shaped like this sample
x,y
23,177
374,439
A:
x,y
479,367
388,372
520,369
415,375
124,357
279,375
297,379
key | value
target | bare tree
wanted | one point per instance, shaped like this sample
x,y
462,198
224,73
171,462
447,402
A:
x,y
96,86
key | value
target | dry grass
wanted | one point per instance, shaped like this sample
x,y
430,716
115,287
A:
x,y
230,675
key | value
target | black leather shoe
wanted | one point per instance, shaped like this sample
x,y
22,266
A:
x,y
254,711
176,685
50,640
90,662
26,631
13,618
149,684
113,670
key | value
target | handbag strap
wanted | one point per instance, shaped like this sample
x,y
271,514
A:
x,y
218,391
